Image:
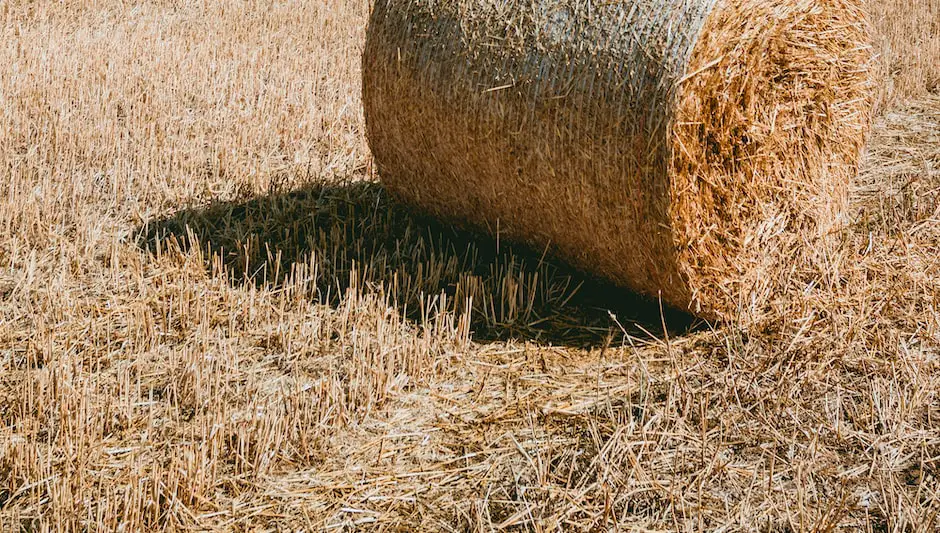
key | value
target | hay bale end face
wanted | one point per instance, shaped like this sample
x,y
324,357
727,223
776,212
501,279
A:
x,y
687,149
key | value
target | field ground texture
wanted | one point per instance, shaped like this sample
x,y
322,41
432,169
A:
x,y
212,318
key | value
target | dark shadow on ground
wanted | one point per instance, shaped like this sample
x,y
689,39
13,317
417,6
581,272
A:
x,y
353,233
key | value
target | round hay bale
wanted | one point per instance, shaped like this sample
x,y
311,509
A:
x,y
687,149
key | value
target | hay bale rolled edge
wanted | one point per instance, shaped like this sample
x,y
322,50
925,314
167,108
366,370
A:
x,y
648,142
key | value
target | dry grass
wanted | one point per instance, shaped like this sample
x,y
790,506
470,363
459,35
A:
x,y
211,318
908,37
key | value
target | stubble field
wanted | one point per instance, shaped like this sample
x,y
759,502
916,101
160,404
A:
x,y
212,317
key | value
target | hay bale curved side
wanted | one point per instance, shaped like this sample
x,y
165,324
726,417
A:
x,y
593,129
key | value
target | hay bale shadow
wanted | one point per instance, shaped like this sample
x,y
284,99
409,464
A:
x,y
351,232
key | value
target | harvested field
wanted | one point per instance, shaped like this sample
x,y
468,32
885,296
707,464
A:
x,y
212,317
908,39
